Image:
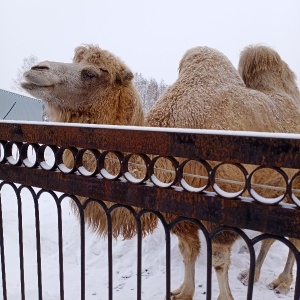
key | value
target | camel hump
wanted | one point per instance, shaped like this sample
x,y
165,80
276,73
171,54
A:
x,y
257,59
262,68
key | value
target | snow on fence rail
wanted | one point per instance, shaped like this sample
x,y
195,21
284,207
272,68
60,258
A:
x,y
32,155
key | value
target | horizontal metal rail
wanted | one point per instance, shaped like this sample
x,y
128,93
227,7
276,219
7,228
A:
x,y
280,220
228,146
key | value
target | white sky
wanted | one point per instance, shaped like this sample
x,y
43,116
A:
x,y
149,36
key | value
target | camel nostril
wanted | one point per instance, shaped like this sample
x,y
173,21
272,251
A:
x,y
40,67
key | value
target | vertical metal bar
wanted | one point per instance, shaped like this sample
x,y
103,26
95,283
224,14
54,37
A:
x,y
251,271
139,259
168,264
60,252
4,291
297,281
21,250
38,247
82,236
208,268
110,257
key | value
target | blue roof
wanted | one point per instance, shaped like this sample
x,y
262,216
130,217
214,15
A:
x,y
18,107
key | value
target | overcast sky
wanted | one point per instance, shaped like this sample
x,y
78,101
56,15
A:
x,y
149,36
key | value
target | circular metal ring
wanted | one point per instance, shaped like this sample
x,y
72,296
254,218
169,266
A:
x,y
258,197
154,179
186,186
294,198
13,158
79,161
45,161
102,168
218,190
60,159
31,162
128,174
2,152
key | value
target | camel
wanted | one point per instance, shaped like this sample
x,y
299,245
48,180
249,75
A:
x,y
96,88
262,69
210,94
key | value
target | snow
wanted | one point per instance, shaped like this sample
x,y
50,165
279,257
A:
x,y
265,200
226,194
124,258
190,188
166,129
159,183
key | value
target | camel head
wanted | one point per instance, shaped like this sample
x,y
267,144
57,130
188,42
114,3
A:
x,y
94,78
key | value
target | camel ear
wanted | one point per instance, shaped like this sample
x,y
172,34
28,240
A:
x,y
79,53
124,76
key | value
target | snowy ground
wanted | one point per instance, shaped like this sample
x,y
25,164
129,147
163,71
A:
x,y
124,252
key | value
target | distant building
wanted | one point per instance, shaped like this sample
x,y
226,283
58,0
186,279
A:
x,y
19,107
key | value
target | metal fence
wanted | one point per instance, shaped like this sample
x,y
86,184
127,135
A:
x,y
23,163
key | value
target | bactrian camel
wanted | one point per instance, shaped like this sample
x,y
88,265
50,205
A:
x,y
209,94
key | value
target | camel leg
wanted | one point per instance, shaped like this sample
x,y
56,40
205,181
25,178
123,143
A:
x,y
281,285
221,263
221,251
189,245
265,246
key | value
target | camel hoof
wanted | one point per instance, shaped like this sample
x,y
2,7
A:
x,y
280,288
244,277
180,297
225,297
180,294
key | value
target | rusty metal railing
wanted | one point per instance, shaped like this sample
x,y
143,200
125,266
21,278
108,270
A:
x,y
137,154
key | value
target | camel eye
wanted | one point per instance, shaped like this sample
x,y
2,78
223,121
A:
x,y
88,74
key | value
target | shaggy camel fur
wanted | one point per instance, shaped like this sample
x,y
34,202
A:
x,y
210,94
263,69
96,88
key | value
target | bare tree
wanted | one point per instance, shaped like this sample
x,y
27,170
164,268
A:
x,y
149,90
28,62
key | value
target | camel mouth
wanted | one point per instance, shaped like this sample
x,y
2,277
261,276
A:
x,y
32,86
